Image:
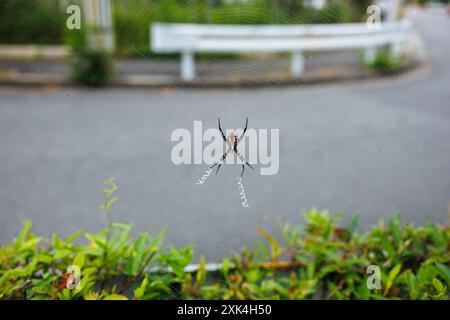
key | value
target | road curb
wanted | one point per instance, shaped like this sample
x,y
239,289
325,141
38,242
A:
x,y
417,53
33,51
163,81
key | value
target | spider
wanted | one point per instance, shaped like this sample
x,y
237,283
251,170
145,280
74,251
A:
x,y
232,141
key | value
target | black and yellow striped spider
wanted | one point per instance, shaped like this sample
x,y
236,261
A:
x,y
232,141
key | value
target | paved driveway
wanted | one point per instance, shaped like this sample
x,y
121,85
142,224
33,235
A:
x,y
373,147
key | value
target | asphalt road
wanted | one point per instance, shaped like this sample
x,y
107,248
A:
x,y
373,147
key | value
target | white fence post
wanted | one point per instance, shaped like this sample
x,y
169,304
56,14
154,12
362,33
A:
x,y
187,66
370,54
396,49
297,64
98,15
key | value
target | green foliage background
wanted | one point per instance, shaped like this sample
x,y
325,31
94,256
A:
x,y
31,21
43,21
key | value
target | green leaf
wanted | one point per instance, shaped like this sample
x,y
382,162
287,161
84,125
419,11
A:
x,y
56,242
44,257
110,202
73,236
225,266
23,234
437,236
391,277
411,282
123,226
140,291
443,271
100,242
252,275
79,260
394,226
135,259
115,297
275,247
66,294
91,296
113,188
201,272
31,244
353,223
157,241
440,288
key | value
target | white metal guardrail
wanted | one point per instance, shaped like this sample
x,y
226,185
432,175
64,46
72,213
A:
x,y
188,39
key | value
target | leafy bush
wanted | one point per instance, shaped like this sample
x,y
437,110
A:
x,y
43,21
320,260
133,18
385,62
332,13
31,21
91,67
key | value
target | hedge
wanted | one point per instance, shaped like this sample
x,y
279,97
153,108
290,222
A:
x,y
317,260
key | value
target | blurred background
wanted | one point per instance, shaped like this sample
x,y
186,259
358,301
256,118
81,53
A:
x,y
81,105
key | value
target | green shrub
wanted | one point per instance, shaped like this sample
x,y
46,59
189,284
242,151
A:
x,y
31,21
43,21
332,13
133,18
386,63
91,68
318,260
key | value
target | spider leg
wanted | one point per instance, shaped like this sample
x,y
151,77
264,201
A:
x,y
223,135
241,157
218,167
215,164
221,161
245,129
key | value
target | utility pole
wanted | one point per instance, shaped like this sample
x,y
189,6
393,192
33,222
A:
x,y
98,19
390,9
